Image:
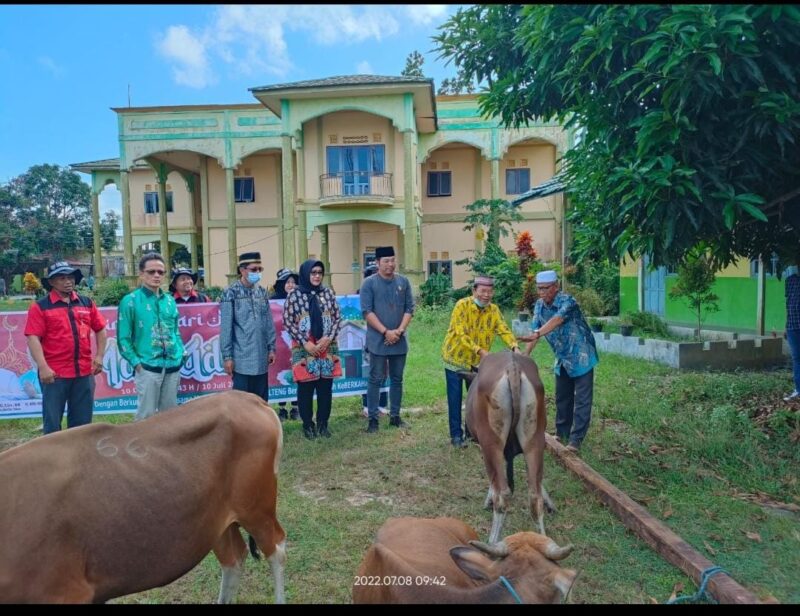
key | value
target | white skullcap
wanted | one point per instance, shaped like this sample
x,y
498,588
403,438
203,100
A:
x,y
546,276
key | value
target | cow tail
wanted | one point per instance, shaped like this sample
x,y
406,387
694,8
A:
x,y
515,397
253,547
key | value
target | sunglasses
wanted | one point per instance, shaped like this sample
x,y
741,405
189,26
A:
x,y
155,272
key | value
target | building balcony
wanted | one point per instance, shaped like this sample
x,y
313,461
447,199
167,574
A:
x,y
356,187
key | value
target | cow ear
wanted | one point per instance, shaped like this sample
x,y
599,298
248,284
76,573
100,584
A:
x,y
563,581
472,562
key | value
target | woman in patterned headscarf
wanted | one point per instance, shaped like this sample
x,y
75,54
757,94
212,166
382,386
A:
x,y
312,318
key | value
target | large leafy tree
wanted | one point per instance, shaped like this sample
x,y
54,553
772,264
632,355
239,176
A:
x,y
687,117
52,209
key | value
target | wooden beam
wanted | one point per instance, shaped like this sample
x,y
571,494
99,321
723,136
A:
x,y
653,532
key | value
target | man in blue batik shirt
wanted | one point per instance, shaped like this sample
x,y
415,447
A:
x,y
558,318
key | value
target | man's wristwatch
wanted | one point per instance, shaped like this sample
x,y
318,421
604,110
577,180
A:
x,y
536,331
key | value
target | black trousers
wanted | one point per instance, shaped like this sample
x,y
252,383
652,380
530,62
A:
x,y
305,401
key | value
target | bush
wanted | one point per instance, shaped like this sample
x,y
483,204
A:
x,y
649,322
592,305
602,276
31,284
508,283
214,293
109,291
435,291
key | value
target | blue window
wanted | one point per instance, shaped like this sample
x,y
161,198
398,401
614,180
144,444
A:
x,y
356,164
439,184
518,181
151,202
244,190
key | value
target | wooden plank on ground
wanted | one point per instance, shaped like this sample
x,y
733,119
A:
x,y
655,533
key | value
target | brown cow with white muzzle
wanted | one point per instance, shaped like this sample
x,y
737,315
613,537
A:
x,y
102,511
440,560
505,414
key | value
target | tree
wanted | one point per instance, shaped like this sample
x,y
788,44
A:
x,y
414,63
456,85
493,216
687,117
696,278
52,210
108,230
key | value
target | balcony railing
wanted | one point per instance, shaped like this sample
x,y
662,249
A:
x,y
348,185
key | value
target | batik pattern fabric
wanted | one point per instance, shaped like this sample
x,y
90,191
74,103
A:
x,y
572,342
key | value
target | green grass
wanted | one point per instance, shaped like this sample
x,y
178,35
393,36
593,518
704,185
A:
x,y
712,455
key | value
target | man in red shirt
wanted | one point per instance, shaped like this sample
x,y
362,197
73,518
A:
x,y
59,330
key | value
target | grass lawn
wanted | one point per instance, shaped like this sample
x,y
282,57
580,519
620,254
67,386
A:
x,y
714,455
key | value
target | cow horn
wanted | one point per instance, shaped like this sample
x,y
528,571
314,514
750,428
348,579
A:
x,y
498,550
553,552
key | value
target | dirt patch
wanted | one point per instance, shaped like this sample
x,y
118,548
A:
x,y
362,498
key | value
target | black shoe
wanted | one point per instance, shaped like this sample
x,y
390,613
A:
x,y
397,422
457,442
282,414
310,432
323,430
373,425
294,413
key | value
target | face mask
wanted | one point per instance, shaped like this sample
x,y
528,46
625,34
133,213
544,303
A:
x,y
253,277
479,303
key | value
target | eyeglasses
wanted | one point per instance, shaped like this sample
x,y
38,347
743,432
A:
x,y
317,272
254,269
155,272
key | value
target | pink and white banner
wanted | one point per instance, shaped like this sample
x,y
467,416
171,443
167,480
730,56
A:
x,y
202,373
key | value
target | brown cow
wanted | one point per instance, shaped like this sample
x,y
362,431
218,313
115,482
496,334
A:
x,y
427,560
505,414
104,510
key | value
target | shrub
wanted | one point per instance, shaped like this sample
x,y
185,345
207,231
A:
x,y
109,291
31,283
592,305
650,322
508,283
435,291
602,276
214,293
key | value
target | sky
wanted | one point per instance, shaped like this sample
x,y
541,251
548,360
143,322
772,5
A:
x,y
62,67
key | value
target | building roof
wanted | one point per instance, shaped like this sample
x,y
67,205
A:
x,y
421,88
343,81
552,186
105,164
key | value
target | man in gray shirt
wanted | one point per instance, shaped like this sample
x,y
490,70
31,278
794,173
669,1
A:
x,y
387,305
247,332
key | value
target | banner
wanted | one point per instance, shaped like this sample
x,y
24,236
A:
x,y
202,373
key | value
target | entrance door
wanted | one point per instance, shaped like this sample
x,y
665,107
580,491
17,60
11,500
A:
x,y
655,288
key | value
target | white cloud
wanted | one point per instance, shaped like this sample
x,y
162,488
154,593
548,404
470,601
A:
x,y
251,39
364,68
189,55
54,68
426,14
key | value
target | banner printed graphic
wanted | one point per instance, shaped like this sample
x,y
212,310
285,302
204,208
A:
x,y
202,373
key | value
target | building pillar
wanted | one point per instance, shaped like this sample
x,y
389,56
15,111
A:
x,y
325,253
300,239
204,219
161,176
358,273
231,199
495,178
288,219
98,245
127,239
412,249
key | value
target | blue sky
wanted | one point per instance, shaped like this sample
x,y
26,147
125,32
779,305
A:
x,y
63,67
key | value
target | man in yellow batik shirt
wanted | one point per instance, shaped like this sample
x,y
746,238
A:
x,y
473,326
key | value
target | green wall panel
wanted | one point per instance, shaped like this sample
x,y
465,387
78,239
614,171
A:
x,y
628,287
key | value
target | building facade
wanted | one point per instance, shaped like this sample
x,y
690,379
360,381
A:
x,y
330,169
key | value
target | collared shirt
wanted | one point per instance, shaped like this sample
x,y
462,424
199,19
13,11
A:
x,y
390,300
247,331
64,328
572,342
793,302
471,329
147,329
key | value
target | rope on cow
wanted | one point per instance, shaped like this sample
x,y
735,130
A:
x,y
510,589
701,594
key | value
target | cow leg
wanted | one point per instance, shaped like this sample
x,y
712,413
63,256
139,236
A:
x,y
277,562
271,540
487,504
534,459
231,552
548,502
499,492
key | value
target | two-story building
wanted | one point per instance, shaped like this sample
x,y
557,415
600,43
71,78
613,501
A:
x,y
327,168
